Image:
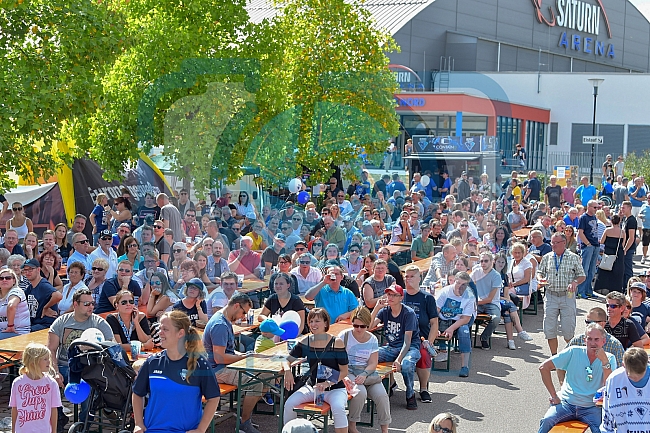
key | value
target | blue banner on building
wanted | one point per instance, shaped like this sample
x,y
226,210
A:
x,y
476,143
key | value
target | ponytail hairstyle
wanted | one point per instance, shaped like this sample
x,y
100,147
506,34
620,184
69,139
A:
x,y
32,356
193,342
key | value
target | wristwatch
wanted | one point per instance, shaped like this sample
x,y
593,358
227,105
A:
x,y
607,366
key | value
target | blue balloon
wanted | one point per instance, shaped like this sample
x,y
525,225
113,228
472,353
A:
x,y
303,197
77,393
290,330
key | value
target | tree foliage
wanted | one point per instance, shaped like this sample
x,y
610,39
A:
x,y
638,163
53,54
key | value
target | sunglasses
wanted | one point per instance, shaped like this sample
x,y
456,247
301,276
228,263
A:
x,y
157,227
124,302
133,246
88,303
126,271
85,241
16,209
106,238
300,249
284,262
191,215
589,322
318,245
443,430
305,263
359,326
297,219
236,229
354,251
590,374
612,306
286,228
6,278
178,251
97,269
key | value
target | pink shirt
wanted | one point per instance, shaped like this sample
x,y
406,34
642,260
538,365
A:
x,y
567,194
34,400
247,264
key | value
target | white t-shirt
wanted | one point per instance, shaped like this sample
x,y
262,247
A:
x,y
216,301
452,307
359,353
66,302
22,324
516,272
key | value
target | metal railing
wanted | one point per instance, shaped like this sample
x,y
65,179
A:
x,y
581,159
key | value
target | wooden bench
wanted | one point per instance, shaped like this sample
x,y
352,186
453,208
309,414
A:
x,y
481,320
570,427
229,390
221,415
311,411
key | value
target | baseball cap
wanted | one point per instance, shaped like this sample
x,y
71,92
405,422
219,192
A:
x,y
213,191
127,225
299,425
179,245
463,173
472,240
196,282
31,263
303,243
638,285
105,234
280,237
288,204
251,215
395,289
270,326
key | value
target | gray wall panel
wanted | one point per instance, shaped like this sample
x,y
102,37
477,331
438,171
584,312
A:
x,y
638,138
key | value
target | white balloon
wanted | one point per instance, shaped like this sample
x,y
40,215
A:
x,y
292,316
424,180
295,185
92,335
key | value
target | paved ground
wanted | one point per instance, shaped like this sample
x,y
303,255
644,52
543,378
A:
x,y
503,393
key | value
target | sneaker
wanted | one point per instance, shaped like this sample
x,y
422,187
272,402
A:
x,y
464,372
441,357
524,336
578,296
643,260
411,404
247,427
485,345
392,389
268,399
511,345
425,397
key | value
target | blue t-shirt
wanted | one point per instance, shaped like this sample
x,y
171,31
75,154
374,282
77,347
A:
x,y
192,313
576,389
336,303
37,297
101,216
395,327
174,405
218,332
586,194
640,194
447,184
395,186
640,314
589,225
424,306
111,288
645,214
535,188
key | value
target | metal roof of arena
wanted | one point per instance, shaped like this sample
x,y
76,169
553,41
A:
x,y
390,15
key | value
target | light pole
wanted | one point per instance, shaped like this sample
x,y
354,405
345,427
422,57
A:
x,y
595,82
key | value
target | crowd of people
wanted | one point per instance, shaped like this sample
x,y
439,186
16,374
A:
x,y
160,272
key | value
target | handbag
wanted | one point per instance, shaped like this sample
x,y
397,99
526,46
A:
x,y
522,289
608,260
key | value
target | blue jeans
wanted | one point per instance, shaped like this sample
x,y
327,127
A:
x,y
589,259
64,371
495,313
568,412
390,354
463,334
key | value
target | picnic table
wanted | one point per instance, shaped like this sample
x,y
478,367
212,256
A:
x,y
523,232
399,247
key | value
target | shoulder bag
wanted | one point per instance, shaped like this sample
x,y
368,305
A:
x,y
607,260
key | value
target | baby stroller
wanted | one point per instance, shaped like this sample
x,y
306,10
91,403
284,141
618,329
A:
x,y
105,368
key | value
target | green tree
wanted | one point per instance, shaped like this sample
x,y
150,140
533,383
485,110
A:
x,y
53,54
638,163
325,94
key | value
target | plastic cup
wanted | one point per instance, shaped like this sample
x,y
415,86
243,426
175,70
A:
x,y
240,280
136,347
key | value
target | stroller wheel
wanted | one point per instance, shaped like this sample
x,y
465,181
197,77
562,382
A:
x,y
124,431
77,427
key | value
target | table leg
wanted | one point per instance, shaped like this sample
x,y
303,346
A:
x,y
282,402
239,401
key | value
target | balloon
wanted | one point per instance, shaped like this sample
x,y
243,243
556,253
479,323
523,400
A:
x,y
303,197
424,180
290,330
77,393
291,316
92,335
295,185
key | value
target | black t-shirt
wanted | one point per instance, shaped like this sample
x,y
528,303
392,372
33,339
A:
x,y
554,194
273,305
114,323
192,313
330,357
351,284
269,255
625,332
111,288
162,246
630,223
424,306
143,211
294,284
